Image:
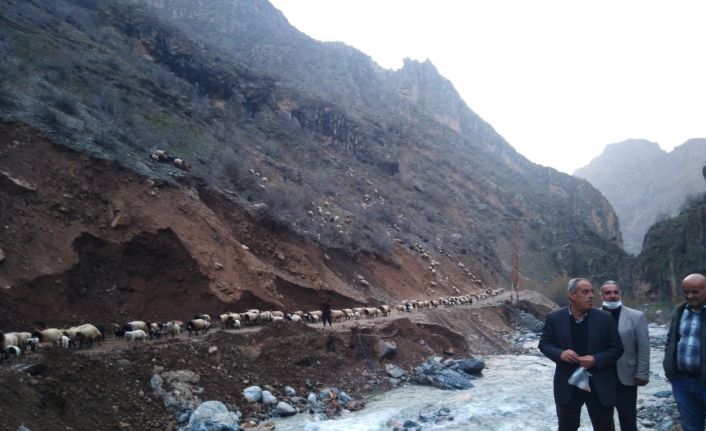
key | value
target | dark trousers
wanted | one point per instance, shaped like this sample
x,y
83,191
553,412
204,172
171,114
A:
x,y
570,414
626,404
326,317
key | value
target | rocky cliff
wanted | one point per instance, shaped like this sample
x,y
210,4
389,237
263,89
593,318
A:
x,y
644,183
339,177
673,249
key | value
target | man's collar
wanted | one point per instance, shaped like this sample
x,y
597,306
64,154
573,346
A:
x,y
697,311
575,319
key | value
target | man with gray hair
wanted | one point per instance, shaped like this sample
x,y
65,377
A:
x,y
634,366
582,336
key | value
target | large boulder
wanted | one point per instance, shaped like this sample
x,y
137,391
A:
x,y
253,393
213,416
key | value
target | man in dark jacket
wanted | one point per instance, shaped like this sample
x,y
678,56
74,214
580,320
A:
x,y
581,336
685,354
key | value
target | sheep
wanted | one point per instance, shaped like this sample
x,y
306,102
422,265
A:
x,y
400,308
20,339
87,333
265,316
12,352
294,317
277,318
154,330
33,343
135,325
197,325
49,335
385,309
371,312
182,164
137,334
171,328
228,320
337,315
7,340
203,317
63,341
359,310
313,316
277,314
250,317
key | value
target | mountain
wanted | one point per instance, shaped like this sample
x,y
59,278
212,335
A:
x,y
310,170
644,183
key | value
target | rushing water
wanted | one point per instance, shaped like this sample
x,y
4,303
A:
x,y
515,393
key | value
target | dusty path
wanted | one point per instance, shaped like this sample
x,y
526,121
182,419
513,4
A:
x,y
114,344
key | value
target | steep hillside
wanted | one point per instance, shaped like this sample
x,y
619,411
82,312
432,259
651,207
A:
x,y
338,176
645,183
673,249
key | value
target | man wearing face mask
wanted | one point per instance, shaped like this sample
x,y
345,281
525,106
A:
x,y
634,365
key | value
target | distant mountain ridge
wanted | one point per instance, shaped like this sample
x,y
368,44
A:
x,y
645,183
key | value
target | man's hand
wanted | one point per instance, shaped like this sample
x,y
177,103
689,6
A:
x,y
587,361
640,382
569,355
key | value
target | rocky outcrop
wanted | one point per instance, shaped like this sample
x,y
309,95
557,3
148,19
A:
x,y
673,249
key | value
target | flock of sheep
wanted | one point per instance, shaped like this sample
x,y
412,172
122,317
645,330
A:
x,y
16,343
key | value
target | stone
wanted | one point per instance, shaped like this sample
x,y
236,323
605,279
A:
x,y
268,399
386,349
212,349
218,266
285,409
289,391
2,255
252,393
213,416
355,405
394,371
344,397
662,394
469,366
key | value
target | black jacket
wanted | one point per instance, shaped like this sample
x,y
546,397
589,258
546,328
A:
x,y
603,343
670,350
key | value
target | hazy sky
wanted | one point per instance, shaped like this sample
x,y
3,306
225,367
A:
x,y
558,79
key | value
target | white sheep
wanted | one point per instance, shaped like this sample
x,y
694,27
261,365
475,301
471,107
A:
x,y
135,325
137,334
33,343
63,341
7,340
13,352
172,328
294,317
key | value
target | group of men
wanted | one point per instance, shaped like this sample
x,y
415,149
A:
x,y
611,347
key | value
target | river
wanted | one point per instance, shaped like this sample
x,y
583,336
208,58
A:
x,y
515,393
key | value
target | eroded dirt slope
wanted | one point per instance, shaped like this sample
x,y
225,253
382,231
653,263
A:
x,y
86,240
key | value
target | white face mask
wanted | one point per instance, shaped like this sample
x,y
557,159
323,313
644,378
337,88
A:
x,y
612,304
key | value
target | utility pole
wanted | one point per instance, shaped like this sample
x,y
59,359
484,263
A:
x,y
515,274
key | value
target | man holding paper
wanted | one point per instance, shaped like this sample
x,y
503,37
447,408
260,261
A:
x,y
582,336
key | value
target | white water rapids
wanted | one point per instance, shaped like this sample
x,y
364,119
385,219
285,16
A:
x,y
515,393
